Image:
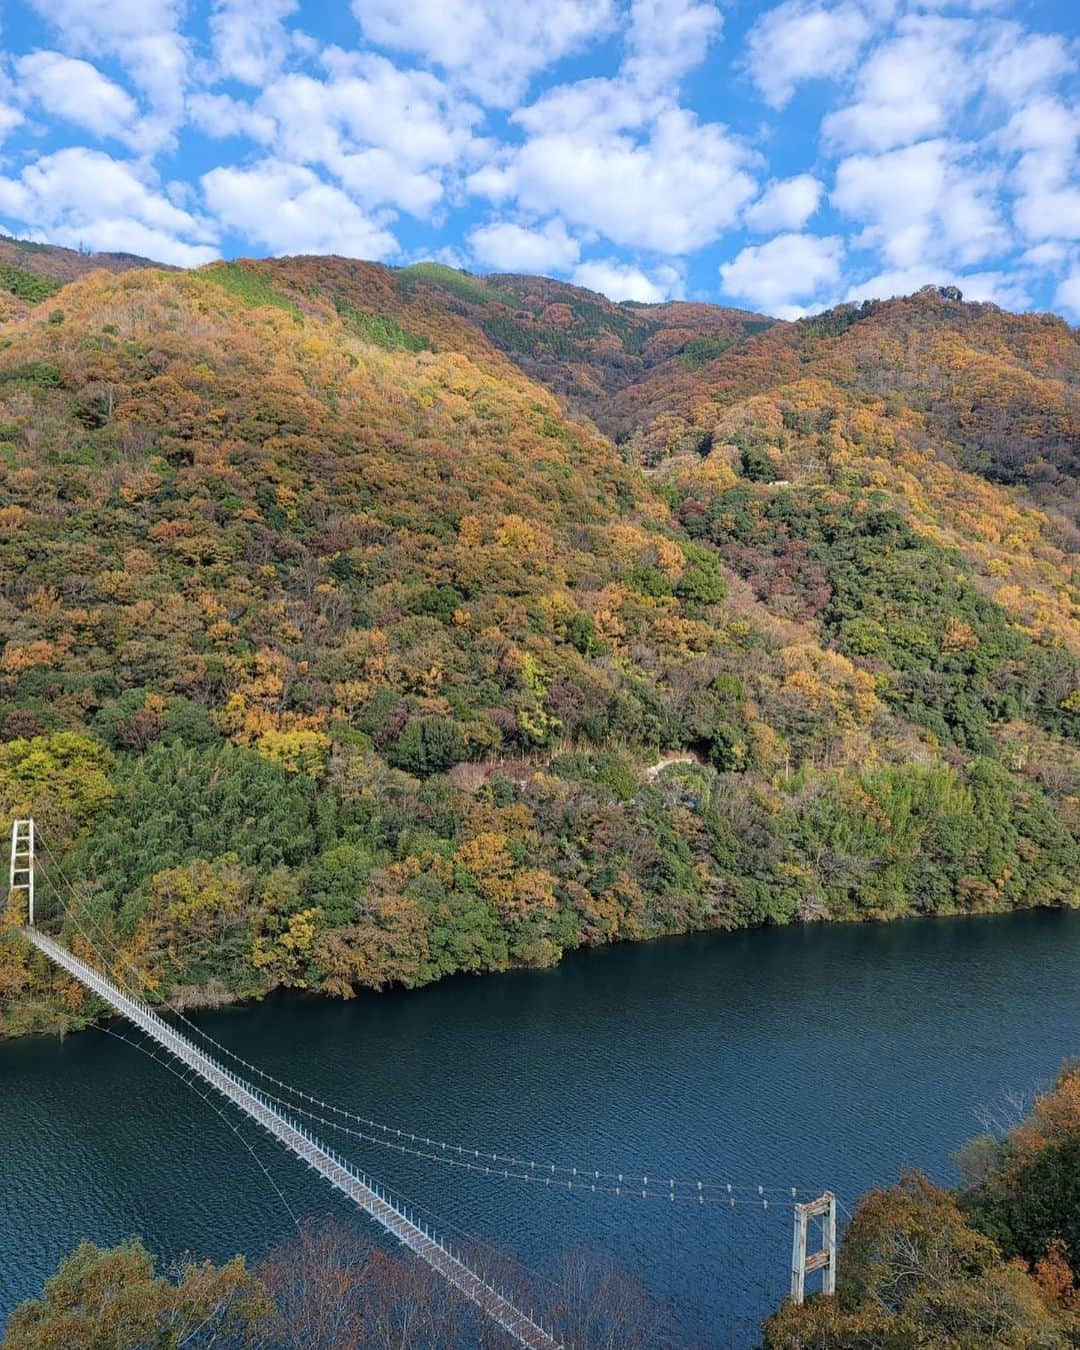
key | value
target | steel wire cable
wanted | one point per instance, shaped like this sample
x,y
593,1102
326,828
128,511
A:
x,y
581,1185
341,1162
189,1082
403,1201
621,1179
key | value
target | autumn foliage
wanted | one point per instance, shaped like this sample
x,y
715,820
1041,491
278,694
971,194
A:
x,y
995,1264
337,647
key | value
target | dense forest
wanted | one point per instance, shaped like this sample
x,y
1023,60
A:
x,y
996,1263
364,625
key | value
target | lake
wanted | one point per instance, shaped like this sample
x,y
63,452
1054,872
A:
x,y
818,1056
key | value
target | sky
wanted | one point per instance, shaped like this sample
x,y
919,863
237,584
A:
x,y
780,157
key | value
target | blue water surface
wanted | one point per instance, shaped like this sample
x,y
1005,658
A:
x,y
807,1056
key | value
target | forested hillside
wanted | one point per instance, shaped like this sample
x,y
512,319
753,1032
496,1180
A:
x,y
31,273
348,613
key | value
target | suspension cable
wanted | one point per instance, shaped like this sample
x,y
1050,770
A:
x,y
189,1082
484,1161
134,994
583,1183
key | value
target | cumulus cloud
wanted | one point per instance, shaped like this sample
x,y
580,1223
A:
x,y
786,204
1020,63
949,137
389,136
672,189
916,82
789,268
803,40
1051,254
1045,132
668,38
507,247
220,115
623,281
79,197
288,209
10,117
922,203
601,105
78,92
999,287
1067,296
144,35
370,100
1050,210
492,47
109,23
249,37
908,87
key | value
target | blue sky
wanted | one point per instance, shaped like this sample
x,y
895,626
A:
x,y
782,157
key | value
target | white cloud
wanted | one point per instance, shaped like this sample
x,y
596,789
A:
x,y
249,38
10,118
377,177
370,100
1046,134
1067,296
901,187
288,209
78,92
144,35
668,38
623,281
1006,289
789,268
672,190
221,115
908,87
1051,211
786,204
600,105
1043,124
90,23
507,247
84,197
447,255
1051,254
803,40
1021,62
950,142
389,136
1000,288
493,47
917,82
881,126
921,203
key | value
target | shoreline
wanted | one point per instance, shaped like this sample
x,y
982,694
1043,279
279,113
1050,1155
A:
x,y
188,1004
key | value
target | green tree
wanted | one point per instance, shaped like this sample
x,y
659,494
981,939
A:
x,y
112,1299
428,745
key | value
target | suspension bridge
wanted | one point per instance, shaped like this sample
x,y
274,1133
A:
x,y
290,1123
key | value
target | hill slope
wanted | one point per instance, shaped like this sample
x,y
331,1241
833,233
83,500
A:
x,y
337,652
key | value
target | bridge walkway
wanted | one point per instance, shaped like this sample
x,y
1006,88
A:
x,y
364,1192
